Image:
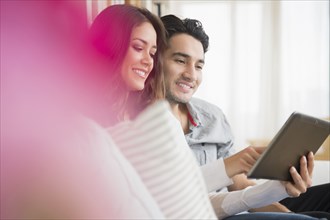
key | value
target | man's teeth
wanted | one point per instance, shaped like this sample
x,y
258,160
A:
x,y
140,72
184,86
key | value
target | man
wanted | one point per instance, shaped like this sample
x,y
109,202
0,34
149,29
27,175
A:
x,y
205,126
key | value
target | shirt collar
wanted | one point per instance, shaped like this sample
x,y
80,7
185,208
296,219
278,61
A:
x,y
193,116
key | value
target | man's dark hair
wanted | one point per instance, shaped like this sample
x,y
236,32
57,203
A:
x,y
192,27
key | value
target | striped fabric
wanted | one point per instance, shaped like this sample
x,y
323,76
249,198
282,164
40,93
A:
x,y
154,143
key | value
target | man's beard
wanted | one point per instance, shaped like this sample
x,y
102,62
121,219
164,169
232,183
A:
x,y
175,99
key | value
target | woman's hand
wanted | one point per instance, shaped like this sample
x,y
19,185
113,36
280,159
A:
x,y
303,180
242,161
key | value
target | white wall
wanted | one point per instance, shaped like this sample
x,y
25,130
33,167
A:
x,y
266,60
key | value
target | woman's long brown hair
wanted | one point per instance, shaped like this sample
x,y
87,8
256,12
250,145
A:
x,y
110,34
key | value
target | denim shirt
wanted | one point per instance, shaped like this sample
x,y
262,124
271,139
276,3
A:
x,y
209,136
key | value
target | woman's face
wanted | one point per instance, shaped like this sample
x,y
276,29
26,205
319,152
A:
x,y
139,59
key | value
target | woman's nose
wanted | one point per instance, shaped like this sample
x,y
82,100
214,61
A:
x,y
147,59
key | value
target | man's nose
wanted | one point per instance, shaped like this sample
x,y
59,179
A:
x,y
190,73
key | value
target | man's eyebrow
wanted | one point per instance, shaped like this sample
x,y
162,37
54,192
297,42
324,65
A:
x,y
144,42
186,56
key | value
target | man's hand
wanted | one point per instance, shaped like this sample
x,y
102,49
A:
x,y
303,180
242,161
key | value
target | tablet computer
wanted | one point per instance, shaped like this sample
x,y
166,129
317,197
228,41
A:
x,y
299,135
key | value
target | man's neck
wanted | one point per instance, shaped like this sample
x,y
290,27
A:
x,y
180,111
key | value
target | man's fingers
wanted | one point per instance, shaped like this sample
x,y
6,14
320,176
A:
x,y
303,168
255,152
260,150
291,190
298,182
304,172
246,166
310,163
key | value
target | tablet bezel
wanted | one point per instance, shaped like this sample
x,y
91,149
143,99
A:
x,y
299,135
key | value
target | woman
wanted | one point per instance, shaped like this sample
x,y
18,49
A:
x,y
50,90
131,40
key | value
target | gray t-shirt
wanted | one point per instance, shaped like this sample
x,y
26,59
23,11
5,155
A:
x,y
209,136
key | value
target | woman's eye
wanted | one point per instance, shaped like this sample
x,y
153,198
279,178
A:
x,y
138,48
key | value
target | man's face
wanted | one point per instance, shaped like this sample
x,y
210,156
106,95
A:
x,y
183,64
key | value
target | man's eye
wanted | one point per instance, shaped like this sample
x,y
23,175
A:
x,y
179,61
199,67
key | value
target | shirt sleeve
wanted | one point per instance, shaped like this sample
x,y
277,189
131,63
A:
x,y
215,175
230,203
